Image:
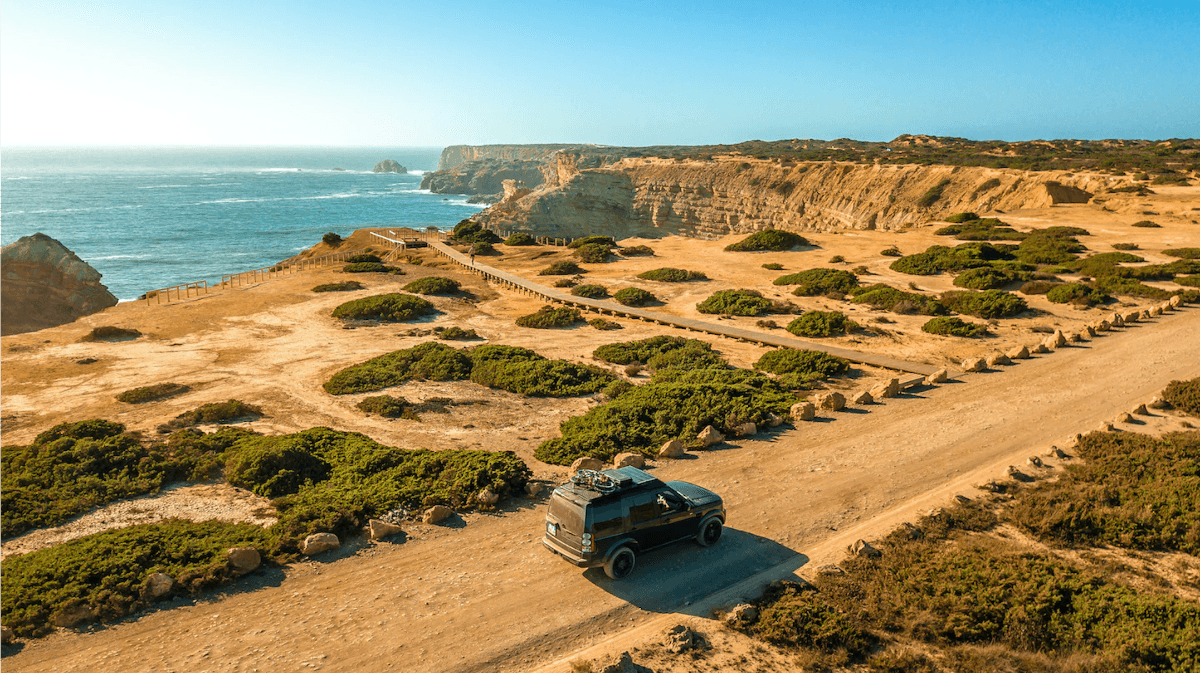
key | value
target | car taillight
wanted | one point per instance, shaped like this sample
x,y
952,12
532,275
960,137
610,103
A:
x,y
587,542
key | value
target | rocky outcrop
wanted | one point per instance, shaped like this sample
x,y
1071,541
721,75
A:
x,y
729,194
456,155
388,166
485,178
44,285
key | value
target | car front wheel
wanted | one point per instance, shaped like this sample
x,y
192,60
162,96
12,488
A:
x,y
710,532
620,564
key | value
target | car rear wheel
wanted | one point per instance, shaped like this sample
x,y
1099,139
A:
x,y
620,564
710,532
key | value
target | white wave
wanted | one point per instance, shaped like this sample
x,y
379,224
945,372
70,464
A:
x,y
121,257
463,202
417,173
278,170
164,186
16,212
19,177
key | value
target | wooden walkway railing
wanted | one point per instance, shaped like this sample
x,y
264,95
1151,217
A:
x,y
603,307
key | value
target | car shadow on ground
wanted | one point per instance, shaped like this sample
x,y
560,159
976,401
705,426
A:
x,y
675,577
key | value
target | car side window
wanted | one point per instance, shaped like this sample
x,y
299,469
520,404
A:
x,y
606,519
644,508
668,501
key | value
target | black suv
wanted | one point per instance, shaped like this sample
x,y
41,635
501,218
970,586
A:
x,y
607,518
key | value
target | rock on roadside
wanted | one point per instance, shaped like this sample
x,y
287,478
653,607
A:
x,y
243,559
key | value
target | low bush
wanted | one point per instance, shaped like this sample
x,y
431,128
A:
x,y
669,275
987,229
616,389
949,326
593,253
891,252
988,278
107,571
933,194
426,362
230,411
987,304
773,266
838,259
634,296
1146,224
1184,396
766,324
331,239
549,317
898,301
676,406
820,281
1076,293
520,238
364,258
939,258
388,407
565,282
735,302
344,286
1188,281
158,391
1038,286
807,363
590,291
456,333
394,307
369,267
637,251
770,239
958,218
110,333
1131,287
640,352
471,233
542,378
604,325
433,285
1053,245
561,268
604,241
822,324
1182,253
483,248
1125,246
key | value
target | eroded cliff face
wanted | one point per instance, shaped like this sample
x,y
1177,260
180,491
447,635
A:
x,y
455,155
732,194
485,177
43,284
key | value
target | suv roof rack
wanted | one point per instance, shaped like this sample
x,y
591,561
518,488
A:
x,y
608,481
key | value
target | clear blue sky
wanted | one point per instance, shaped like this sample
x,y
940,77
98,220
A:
x,y
638,73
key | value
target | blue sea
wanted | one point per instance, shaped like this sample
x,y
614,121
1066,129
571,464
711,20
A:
x,y
148,218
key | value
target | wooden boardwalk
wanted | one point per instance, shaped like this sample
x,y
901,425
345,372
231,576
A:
x,y
605,307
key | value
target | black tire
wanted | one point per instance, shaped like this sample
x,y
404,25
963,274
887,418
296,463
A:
x,y
710,532
620,565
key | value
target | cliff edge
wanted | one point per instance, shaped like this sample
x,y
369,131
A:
x,y
43,284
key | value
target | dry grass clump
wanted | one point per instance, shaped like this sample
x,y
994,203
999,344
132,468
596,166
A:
x,y
158,391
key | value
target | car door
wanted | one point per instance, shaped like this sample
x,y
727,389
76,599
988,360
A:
x,y
675,516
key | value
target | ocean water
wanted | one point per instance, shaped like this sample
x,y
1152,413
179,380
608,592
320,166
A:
x,y
148,218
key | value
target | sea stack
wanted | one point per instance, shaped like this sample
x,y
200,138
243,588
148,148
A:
x,y
44,285
389,166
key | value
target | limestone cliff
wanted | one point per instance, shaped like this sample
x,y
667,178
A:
x,y
711,197
460,154
484,178
43,284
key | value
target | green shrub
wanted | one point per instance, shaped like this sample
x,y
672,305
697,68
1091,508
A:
x,y
617,388
939,258
958,218
1038,286
107,571
520,238
344,286
214,412
590,291
891,252
801,619
890,299
565,282
593,253
500,354
1183,253
770,239
426,362
948,326
542,378
482,248
1146,224
433,285
805,362
604,325
470,232
368,267
1120,285
822,324
773,266
988,278
331,239
669,275
364,258
393,307
634,352
735,302
159,391
634,296
837,259
604,241
1188,281
1076,293
987,304
456,333
388,407
1054,245
987,229
694,355
1125,246
561,268
676,407
933,194
549,317
637,251
819,281
1184,396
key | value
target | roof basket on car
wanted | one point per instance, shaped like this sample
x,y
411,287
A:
x,y
598,481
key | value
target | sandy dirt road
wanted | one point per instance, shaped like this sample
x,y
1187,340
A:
x,y
487,596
